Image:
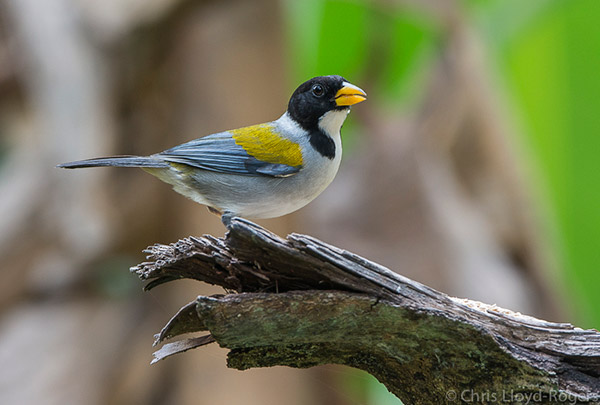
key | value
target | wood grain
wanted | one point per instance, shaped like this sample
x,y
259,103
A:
x,y
301,302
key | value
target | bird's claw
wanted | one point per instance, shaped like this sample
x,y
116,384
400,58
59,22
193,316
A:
x,y
226,218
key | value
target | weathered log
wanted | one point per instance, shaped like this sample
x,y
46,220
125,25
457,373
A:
x,y
300,302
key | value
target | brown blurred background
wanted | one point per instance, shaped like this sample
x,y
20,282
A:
x,y
435,183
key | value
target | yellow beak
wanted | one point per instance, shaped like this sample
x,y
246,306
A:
x,y
349,95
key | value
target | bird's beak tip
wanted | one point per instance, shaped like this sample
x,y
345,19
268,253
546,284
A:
x,y
350,94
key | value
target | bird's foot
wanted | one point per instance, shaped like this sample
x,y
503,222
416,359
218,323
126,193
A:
x,y
226,218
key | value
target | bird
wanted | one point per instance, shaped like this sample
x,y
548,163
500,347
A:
x,y
260,171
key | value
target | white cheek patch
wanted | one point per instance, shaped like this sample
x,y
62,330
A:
x,y
331,122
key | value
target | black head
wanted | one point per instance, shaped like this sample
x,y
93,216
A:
x,y
319,95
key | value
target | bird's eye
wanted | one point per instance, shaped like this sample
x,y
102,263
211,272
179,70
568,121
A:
x,y
318,90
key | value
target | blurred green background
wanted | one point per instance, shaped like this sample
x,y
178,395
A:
x,y
545,58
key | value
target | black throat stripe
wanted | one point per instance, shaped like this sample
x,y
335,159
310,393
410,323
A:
x,y
322,143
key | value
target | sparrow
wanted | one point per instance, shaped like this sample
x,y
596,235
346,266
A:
x,y
261,171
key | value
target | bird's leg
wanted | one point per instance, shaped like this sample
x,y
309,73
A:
x,y
214,211
225,216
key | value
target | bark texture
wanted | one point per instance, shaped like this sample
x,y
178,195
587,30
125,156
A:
x,y
300,302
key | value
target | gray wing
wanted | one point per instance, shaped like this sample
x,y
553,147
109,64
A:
x,y
220,153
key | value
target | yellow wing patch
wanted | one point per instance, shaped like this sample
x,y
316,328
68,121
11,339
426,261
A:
x,y
263,143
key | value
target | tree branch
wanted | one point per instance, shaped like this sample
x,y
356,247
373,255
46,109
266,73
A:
x,y
301,302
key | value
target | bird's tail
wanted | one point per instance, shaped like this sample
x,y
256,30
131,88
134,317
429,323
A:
x,y
117,161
